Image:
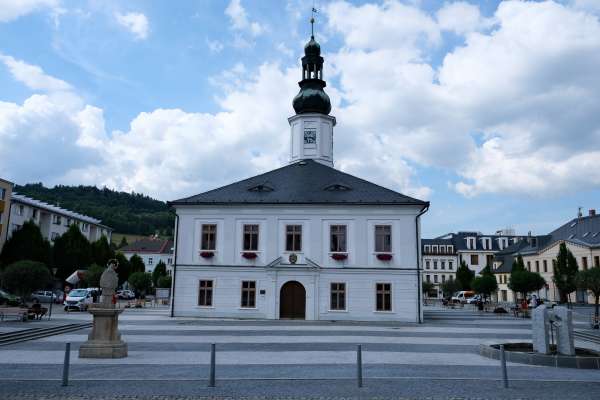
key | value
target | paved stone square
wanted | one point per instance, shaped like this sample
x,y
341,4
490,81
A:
x,y
289,359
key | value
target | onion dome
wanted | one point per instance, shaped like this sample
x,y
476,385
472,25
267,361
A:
x,y
312,98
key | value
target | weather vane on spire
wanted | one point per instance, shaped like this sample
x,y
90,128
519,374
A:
x,y
312,21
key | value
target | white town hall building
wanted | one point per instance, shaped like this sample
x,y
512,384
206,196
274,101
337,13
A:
x,y
303,241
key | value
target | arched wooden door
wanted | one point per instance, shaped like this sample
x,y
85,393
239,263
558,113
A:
x,y
292,301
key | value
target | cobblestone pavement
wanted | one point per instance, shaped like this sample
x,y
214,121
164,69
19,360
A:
x,y
289,359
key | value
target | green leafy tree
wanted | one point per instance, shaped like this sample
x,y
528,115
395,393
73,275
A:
x,y
71,252
140,282
124,269
26,243
427,287
464,276
123,242
523,282
450,287
137,264
92,275
590,280
24,277
485,285
101,251
159,270
565,271
164,281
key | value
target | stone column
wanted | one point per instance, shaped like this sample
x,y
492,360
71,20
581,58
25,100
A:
x,y
565,342
539,330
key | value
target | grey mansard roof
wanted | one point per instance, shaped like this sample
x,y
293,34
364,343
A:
x,y
304,182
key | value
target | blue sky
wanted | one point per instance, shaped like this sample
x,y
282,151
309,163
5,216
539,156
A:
x,y
487,109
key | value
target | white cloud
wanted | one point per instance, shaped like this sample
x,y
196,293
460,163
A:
x,y
461,17
136,23
240,21
13,9
33,76
215,46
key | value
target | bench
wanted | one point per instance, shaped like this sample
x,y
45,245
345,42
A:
x,y
36,311
18,312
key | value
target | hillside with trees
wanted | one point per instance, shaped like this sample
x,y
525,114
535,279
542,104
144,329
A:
x,y
130,213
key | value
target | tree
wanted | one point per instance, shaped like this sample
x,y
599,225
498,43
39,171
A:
x,y
590,280
523,281
124,269
137,264
464,276
484,285
140,282
565,271
71,252
159,270
123,242
24,277
101,251
164,281
450,287
427,287
26,243
92,275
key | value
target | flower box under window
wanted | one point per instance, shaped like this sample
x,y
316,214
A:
x,y
249,255
384,257
207,254
339,256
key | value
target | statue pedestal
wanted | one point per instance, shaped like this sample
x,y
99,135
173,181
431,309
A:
x,y
105,340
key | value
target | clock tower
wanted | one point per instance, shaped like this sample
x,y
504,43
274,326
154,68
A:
x,y
312,126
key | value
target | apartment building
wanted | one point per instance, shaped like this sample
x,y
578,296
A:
x,y
151,251
440,261
5,195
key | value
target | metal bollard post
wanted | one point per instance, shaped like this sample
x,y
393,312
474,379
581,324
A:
x,y
359,375
65,378
211,381
503,366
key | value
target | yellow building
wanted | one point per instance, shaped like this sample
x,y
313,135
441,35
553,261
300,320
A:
x,y
5,195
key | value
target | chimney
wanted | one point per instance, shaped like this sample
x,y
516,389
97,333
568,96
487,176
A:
x,y
592,212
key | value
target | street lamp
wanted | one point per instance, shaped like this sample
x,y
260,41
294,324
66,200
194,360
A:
x,y
52,293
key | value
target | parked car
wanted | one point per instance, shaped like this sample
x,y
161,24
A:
x,y
462,296
9,299
474,300
125,294
79,299
43,296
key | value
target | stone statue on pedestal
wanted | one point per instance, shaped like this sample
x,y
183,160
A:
x,y
559,319
105,340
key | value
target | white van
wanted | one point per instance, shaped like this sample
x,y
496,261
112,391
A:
x,y
79,299
462,296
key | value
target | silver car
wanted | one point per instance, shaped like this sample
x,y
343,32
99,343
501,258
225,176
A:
x,y
43,296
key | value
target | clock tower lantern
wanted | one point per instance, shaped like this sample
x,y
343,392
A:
x,y
312,126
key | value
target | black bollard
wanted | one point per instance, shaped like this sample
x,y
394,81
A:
x,y
503,366
65,378
359,375
211,381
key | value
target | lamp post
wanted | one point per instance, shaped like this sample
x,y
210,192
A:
x,y
52,293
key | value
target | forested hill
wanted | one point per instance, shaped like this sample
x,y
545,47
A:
x,y
130,213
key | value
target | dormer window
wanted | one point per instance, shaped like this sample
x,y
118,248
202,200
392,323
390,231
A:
x,y
262,187
427,249
337,187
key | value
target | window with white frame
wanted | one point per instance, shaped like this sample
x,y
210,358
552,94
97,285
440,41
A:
x,y
150,260
251,237
56,219
337,238
383,297
20,210
293,238
2,193
209,237
205,293
248,294
383,238
338,296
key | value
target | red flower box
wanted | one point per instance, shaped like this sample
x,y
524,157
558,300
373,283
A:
x,y
207,254
384,257
339,256
249,255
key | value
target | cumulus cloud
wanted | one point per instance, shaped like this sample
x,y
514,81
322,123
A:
x,y
13,9
33,76
461,17
136,23
240,21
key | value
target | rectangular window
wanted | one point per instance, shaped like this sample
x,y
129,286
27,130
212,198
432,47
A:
x,y
443,278
293,238
584,263
383,238
35,213
489,259
450,265
248,294
537,266
435,279
529,266
435,265
251,237
427,264
2,193
451,278
428,278
56,220
596,261
338,296
205,294
443,264
474,259
209,237
54,236
20,210
149,260
337,238
426,249
384,296
545,263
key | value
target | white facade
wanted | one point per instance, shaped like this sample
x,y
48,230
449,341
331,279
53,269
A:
x,y
314,269
439,265
312,137
53,221
151,260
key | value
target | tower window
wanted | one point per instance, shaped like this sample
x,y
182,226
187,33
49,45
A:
x,y
310,136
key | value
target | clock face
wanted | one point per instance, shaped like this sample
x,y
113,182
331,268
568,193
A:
x,y
310,136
